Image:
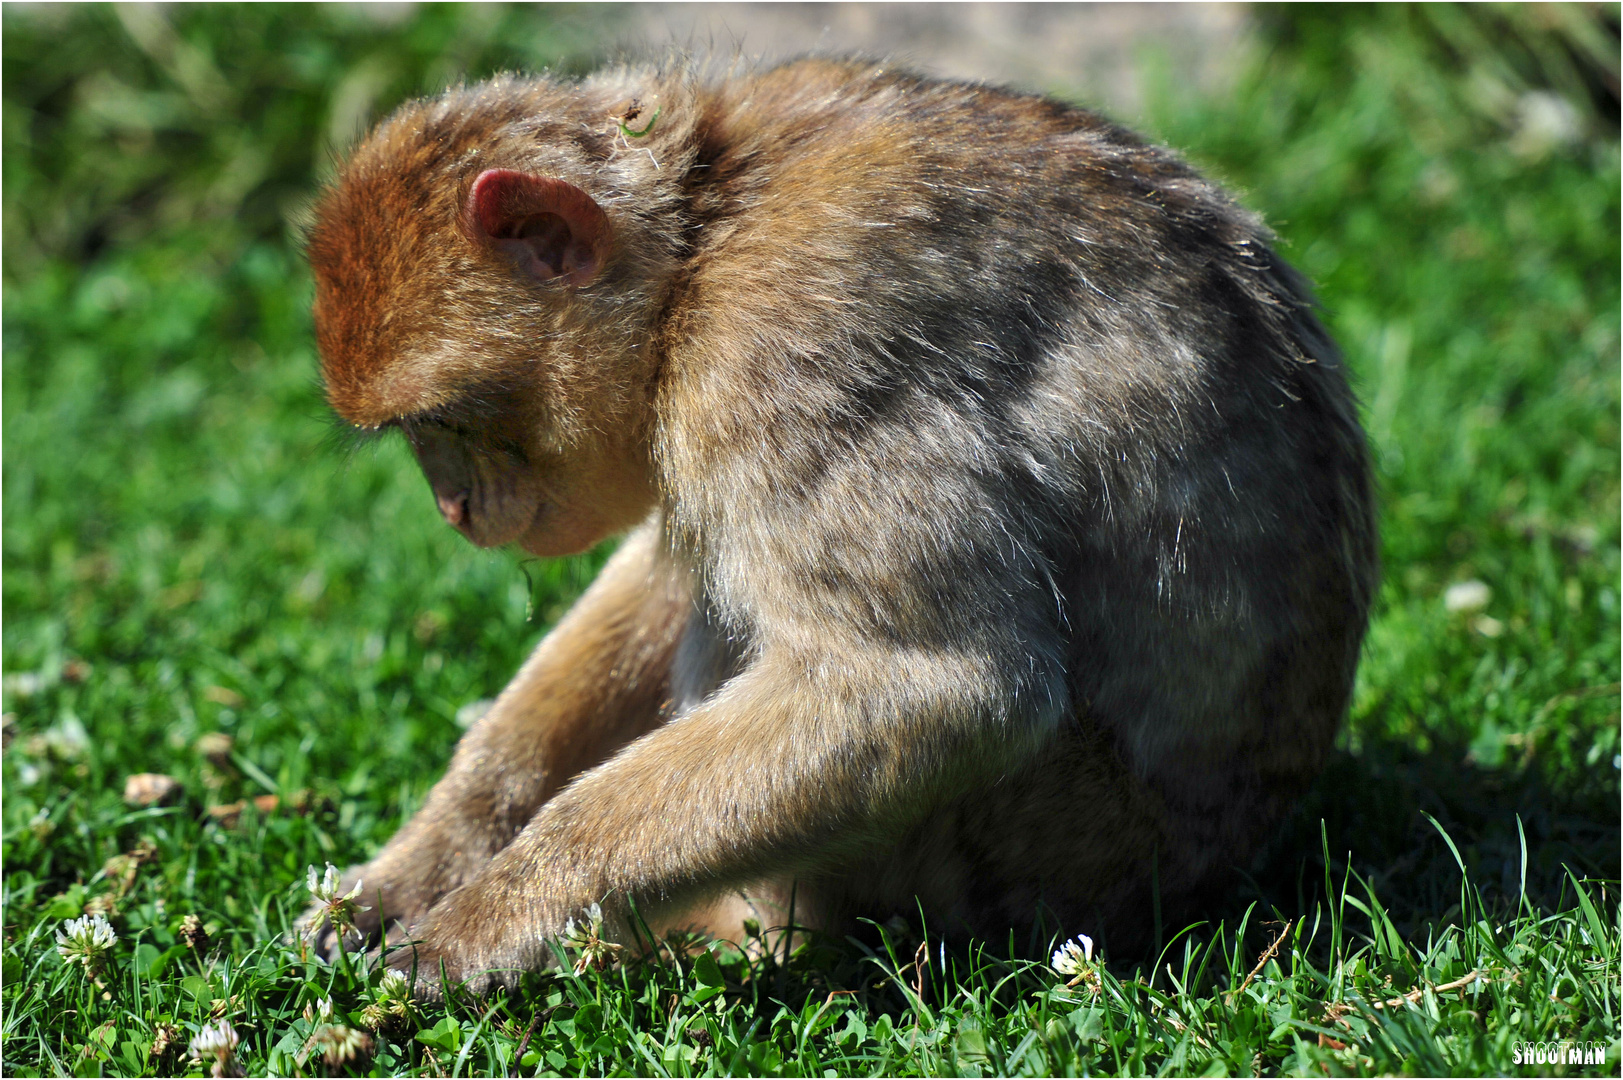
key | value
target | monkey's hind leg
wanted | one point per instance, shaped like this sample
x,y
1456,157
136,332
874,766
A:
x,y
592,685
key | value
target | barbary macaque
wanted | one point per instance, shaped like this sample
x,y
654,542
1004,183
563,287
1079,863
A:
x,y
1000,526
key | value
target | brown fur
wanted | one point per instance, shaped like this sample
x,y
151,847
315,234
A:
x,y
1006,521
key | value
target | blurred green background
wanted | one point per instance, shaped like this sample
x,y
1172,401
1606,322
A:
x,y
188,550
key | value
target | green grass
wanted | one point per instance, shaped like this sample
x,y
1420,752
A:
x,y
187,551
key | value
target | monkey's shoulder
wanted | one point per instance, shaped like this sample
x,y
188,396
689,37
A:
x,y
849,129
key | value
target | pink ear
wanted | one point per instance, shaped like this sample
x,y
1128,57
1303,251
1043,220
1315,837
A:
x,y
549,227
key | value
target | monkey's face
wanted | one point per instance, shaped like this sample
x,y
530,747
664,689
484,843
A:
x,y
469,313
497,482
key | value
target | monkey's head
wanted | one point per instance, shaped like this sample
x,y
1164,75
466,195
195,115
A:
x,y
488,278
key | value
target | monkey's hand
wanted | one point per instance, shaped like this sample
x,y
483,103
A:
x,y
597,681
426,859
798,764
459,945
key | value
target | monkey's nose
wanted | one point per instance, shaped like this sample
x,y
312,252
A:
x,y
453,507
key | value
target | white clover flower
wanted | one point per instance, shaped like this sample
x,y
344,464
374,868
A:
x,y
326,890
214,1040
192,932
586,938
331,907
85,941
391,1000
163,1040
393,986
578,935
1074,957
219,1042
324,1009
339,1045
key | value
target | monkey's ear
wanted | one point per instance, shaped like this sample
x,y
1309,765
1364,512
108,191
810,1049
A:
x,y
549,227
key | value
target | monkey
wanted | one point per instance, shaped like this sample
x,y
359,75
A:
x,y
998,527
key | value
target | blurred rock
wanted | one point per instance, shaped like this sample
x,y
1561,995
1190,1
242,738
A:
x,y
216,747
228,814
151,789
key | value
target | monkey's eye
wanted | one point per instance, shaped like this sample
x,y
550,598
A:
x,y
412,425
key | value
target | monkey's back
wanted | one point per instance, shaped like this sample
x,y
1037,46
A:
x,y
982,347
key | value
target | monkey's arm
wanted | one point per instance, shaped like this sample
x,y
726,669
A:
x,y
594,683
797,763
